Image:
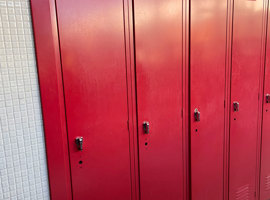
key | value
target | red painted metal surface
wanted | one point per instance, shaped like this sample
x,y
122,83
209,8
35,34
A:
x,y
207,87
227,103
94,72
186,102
131,88
158,36
245,89
265,148
96,39
51,89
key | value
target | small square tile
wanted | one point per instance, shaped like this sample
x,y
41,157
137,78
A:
x,y
23,168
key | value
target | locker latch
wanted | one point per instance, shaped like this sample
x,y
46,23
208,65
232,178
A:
x,y
146,127
197,115
268,98
79,142
235,106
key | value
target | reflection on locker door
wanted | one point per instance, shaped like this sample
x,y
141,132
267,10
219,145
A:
x,y
246,68
207,85
265,152
159,86
94,72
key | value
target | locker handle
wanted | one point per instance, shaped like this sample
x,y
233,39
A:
x,y
79,142
146,127
235,106
197,115
267,98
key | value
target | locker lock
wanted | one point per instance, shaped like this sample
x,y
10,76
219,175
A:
x,y
79,142
268,98
197,115
235,106
146,127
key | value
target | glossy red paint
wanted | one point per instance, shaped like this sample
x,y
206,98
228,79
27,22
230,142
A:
x,y
265,148
51,89
245,89
159,72
92,41
186,102
100,91
131,88
207,94
227,103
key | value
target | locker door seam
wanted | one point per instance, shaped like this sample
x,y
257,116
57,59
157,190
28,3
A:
x,y
64,94
185,97
189,98
126,23
262,100
229,95
128,111
136,93
226,98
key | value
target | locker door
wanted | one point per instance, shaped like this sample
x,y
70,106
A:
x,y
207,90
158,34
246,66
93,60
265,152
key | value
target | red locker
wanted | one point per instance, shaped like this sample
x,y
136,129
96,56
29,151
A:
x,y
207,93
92,43
95,47
265,149
245,93
158,36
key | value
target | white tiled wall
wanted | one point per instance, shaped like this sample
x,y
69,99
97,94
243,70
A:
x,y
23,170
